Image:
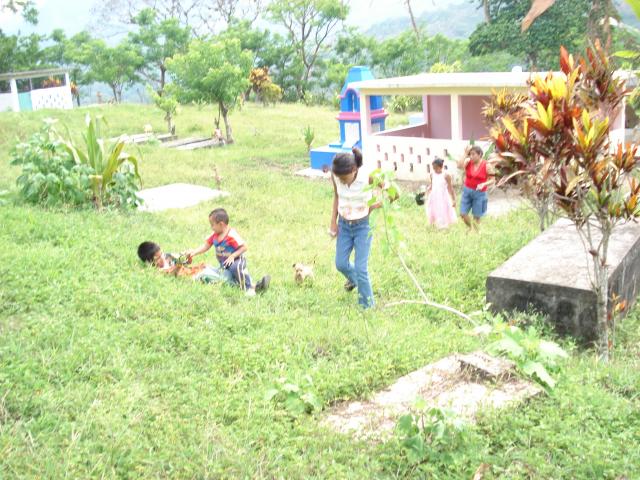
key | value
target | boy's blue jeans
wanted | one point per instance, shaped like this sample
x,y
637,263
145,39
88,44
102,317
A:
x,y
237,273
354,235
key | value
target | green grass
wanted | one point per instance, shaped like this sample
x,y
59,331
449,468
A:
x,y
111,370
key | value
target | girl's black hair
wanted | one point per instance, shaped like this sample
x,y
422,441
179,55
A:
x,y
476,149
344,163
438,162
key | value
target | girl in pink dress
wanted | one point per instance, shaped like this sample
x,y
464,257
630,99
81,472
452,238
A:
x,y
441,205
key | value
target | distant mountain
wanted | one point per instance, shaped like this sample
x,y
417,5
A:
x,y
454,21
460,20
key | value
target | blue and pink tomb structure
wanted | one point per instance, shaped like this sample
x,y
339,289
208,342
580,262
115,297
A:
x,y
349,119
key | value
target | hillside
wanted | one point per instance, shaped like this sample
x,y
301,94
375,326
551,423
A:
x,y
460,20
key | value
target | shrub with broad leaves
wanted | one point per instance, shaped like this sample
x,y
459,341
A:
x,y
56,171
50,176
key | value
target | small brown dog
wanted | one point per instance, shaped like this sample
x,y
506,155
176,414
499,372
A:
x,y
301,272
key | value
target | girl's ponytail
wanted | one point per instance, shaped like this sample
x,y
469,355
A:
x,y
357,156
344,163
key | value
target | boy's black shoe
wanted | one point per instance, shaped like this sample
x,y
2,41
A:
x,y
263,284
348,285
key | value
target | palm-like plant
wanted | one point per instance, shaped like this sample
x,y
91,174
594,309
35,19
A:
x,y
106,162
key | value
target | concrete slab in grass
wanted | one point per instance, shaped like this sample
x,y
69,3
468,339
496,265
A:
x,y
313,173
176,195
551,275
464,384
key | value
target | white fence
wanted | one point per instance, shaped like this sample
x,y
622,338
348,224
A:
x,y
411,157
55,97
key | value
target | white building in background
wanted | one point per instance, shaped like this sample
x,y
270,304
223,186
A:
x,y
35,90
452,106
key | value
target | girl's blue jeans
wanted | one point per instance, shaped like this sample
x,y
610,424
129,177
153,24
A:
x,y
355,235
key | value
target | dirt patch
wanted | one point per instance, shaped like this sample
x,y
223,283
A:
x,y
464,384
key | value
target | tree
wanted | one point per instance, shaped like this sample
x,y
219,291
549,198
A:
x,y
229,11
19,52
120,14
412,17
67,53
214,72
404,55
157,41
355,48
309,24
564,23
116,66
564,128
259,42
168,104
530,175
26,7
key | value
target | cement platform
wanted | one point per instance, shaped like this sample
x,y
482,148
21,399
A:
x,y
551,275
176,195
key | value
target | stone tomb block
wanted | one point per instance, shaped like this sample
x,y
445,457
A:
x,y
551,275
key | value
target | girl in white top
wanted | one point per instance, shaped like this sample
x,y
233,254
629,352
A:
x,y
350,222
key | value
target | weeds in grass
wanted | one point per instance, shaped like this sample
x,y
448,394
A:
x,y
297,398
534,357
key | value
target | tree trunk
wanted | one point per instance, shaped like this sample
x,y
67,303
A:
x,y
604,342
163,72
167,117
602,292
487,12
115,92
227,126
413,19
78,99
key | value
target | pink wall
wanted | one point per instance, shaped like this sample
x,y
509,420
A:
x,y
471,115
420,131
439,116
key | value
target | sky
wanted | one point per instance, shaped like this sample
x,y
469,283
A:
x,y
75,15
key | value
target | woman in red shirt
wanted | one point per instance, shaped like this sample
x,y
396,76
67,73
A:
x,y
478,176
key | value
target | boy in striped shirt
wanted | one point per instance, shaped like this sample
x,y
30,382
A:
x,y
230,249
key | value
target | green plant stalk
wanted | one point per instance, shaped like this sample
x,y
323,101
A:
x,y
390,244
426,300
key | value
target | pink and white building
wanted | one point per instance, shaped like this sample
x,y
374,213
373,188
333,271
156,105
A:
x,y
451,116
35,90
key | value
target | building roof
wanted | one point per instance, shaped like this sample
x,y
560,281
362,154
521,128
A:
x,y
33,73
478,83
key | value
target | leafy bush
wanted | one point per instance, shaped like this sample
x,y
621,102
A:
x,y
55,171
429,434
404,103
534,357
49,174
270,93
296,398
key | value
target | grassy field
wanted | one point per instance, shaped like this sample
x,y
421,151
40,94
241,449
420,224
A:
x,y
110,370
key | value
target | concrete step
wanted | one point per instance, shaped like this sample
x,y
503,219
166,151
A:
x,y
183,141
196,145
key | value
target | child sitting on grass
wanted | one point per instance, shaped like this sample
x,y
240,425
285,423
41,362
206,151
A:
x,y
151,252
230,249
